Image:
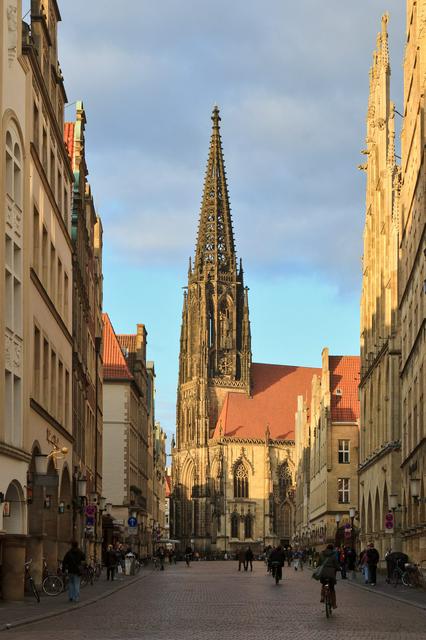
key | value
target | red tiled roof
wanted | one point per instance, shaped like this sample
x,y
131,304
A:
x,y
69,138
274,402
115,366
128,345
344,381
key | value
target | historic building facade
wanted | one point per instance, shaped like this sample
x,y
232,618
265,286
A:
x,y
412,278
233,461
15,438
86,233
380,429
50,296
327,441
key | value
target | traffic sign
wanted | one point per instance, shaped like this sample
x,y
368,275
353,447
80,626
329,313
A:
x,y
132,522
90,510
389,521
132,531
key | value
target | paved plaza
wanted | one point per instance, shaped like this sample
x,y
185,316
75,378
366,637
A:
x,y
212,600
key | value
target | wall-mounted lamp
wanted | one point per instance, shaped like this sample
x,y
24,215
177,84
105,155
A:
x,y
41,460
61,507
102,503
337,518
82,487
352,513
415,491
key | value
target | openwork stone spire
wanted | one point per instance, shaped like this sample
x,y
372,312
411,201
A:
x,y
215,250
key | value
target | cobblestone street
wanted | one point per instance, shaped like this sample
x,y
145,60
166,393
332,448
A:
x,y
212,600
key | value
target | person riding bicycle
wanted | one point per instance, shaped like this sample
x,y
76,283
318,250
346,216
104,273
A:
x,y
188,555
277,559
330,565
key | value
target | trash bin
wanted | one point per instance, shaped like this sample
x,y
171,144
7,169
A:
x,y
129,564
394,559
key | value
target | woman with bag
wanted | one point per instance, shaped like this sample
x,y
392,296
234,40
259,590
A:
x,y
326,572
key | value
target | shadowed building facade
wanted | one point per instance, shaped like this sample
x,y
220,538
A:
x,y
233,468
380,431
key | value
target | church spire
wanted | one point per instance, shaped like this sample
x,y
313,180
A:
x,y
215,250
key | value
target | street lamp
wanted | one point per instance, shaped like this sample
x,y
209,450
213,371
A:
x,y
337,519
352,513
393,502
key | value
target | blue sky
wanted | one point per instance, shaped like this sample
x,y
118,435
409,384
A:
x,y
292,83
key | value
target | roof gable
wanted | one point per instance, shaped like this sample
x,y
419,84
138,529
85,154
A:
x,y
115,366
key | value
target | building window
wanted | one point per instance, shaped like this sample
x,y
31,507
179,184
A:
x,y
248,526
284,479
240,481
343,490
235,524
344,452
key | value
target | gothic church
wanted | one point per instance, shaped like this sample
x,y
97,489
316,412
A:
x,y
233,460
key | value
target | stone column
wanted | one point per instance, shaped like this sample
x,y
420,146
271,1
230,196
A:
x,y
35,553
13,567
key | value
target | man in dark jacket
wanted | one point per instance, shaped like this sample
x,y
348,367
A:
x,y
249,559
330,565
71,563
373,558
277,559
110,562
241,557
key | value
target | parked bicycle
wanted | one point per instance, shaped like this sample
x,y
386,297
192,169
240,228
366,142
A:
x,y
52,583
87,575
410,575
29,578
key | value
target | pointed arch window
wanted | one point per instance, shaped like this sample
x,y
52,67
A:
x,y
241,489
248,526
235,525
284,480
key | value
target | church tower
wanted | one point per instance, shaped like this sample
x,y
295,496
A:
x,y
215,347
215,343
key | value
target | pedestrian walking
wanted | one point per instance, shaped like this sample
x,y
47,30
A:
x,y
373,558
161,556
71,563
342,562
241,556
248,559
351,562
110,562
363,565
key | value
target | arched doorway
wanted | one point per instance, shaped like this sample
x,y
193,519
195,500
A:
x,y
14,509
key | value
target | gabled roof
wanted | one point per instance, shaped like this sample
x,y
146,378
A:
x,y
129,348
344,381
273,403
115,366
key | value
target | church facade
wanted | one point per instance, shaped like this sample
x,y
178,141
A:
x,y
233,465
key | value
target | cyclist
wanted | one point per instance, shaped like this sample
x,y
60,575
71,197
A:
x,y
330,565
188,555
277,559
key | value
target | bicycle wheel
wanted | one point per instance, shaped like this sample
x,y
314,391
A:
x,y
406,579
328,607
53,585
34,590
396,576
